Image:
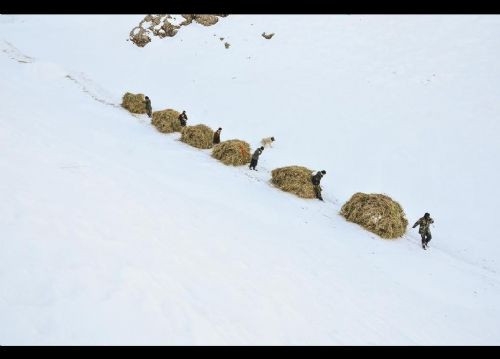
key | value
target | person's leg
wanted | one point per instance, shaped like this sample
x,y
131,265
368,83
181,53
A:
x,y
317,190
423,240
428,238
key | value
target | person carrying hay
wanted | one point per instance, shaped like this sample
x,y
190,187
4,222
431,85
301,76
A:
x,y
217,136
268,141
316,179
255,158
149,109
183,118
424,229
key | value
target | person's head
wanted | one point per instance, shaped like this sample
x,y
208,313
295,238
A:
x,y
219,129
262,148
324,172
183,111
147,98
427,215
272,138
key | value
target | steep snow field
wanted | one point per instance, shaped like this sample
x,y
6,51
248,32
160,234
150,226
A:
x,y
112,233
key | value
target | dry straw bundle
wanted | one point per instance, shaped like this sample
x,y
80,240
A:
x,y
199,136
232,152
134,103
377,213
166,121
294,179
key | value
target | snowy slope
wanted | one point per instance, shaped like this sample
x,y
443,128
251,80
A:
x,y
112,233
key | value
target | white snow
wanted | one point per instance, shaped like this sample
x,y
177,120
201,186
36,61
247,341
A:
x,y
112,233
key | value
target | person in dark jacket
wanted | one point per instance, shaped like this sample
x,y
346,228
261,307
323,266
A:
x,y
424,229
183,118
217,136
255,158
149,109
316,180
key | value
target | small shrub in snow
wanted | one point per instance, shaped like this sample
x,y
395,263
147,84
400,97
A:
x,y
205,20
139,36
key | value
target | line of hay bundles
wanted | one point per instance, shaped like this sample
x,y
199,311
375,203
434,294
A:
x,y
166,121
232,152
377,213
199,136
134,103
294,179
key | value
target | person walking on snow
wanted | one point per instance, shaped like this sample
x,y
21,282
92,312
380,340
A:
x,y
217,136
147,102
255,158
424,229
183,118
316,180
268,141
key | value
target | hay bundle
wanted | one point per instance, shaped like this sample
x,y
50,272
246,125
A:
x,y
134,103
166,121
294,179
377,213
232,152
199,136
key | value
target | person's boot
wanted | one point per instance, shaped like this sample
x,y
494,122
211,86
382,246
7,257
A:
x,y
423,245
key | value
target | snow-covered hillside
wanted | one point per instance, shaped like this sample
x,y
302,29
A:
x,y
113,233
